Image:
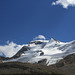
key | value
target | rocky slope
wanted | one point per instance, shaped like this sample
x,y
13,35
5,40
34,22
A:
x,y
65,66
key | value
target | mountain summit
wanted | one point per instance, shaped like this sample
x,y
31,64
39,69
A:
x,y
44,51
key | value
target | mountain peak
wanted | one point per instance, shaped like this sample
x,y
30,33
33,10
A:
x,y
41,49
54,40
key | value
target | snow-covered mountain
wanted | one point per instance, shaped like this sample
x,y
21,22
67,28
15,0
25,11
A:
x,y
49,50
2,54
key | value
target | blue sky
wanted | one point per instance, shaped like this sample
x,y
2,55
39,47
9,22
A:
x,y
22,20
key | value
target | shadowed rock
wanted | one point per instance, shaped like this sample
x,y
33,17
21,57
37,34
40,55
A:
x,y
23,49
70,59
42,62
36,42
42,53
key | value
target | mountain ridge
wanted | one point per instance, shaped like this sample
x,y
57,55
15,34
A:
x,y
37,50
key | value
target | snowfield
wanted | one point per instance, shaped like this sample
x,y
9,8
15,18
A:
x,y
52,50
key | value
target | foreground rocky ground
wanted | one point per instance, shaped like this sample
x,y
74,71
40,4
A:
x,y
26,68
65,66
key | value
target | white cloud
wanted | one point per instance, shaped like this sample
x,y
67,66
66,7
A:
x,y
39,37
64,3
10,49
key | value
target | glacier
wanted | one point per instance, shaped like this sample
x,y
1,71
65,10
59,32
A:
x,y
52,50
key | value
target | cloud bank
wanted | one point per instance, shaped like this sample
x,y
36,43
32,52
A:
x,y
39,37
64,3
10,49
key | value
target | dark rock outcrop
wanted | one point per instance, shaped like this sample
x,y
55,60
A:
x,y
42,62
4,58
23,49
42,53
70,59
36,42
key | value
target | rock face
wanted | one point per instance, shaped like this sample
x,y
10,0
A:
x,y
3,58
42,62
70,59
67,65
23,49
36,42
42,53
